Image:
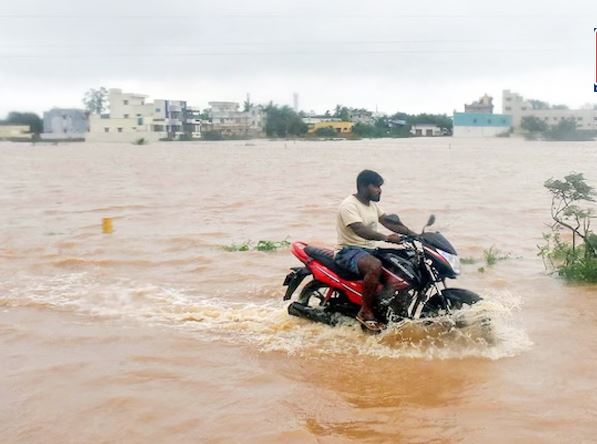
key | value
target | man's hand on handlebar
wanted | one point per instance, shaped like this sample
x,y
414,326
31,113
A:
x,y
394,238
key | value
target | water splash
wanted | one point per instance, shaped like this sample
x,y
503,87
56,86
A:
x,y
267,325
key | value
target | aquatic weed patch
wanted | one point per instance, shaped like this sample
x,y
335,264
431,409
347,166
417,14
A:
x,y
261,245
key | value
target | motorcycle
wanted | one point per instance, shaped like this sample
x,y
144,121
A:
x,y
412,286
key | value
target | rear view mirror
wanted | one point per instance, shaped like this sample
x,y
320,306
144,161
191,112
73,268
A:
x,y
430,222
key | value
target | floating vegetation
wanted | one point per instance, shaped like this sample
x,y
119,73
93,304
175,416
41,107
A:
x,y
492,256
262,245
468,260
141,141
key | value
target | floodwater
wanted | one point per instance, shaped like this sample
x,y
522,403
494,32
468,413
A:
x,y
155,333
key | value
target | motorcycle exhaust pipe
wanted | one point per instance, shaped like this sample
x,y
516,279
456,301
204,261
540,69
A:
x,y
313,314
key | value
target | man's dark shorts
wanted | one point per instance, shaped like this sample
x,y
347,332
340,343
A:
x,y
348,258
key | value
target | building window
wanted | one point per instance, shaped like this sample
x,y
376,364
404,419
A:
x,y
119,130
126,102
504,121
140,121
106,130
524,108
508,99
508,108
474,120
488,120
126,116
158,110
579,118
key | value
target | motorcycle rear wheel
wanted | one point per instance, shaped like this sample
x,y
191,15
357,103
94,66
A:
x,y
313,294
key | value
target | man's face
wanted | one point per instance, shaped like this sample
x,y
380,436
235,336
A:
x,y
374,192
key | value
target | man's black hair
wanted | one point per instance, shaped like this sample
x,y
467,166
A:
x,y
368,177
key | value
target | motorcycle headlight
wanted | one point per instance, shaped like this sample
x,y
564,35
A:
x,y
452,259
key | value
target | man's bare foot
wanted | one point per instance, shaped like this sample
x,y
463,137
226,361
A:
x,y
368,321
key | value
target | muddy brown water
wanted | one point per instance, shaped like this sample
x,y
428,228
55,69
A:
x,y
155,333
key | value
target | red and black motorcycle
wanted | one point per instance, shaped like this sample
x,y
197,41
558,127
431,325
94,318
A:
x,y
413,284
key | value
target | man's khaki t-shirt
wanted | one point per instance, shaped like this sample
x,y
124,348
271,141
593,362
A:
x,y
352,210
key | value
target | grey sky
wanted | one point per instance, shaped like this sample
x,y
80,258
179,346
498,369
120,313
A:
x,y
396,55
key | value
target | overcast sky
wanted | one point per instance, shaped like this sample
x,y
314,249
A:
x,y
393,55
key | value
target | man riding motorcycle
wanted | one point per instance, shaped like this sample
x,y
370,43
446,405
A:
x,y
356,227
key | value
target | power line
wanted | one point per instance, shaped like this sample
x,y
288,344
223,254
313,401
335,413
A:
x,y
278,43
314,53
491,16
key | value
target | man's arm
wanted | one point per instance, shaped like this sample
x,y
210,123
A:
x,y
396,227
365,232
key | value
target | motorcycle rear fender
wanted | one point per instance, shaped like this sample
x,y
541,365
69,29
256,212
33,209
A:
x,y
294,279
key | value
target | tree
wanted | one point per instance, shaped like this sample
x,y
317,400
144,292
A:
x,y
370,131
247,105
566,129
441,120
283,122
576,262
533,124
96,100
561,107
36,125
204,115
326,132
341,112
538,104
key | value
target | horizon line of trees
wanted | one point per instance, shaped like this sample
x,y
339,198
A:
x,y
564,130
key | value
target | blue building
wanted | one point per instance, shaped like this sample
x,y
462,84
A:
x,y
61,123
481,125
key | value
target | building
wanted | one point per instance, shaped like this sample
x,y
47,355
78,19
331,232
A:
x,y
312,120
132,117
342,128
482,106
481,124
191,125
361,116
14,132
518,107
62,123
426,130
227,120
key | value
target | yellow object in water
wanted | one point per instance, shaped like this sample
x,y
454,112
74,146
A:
x,y
107,227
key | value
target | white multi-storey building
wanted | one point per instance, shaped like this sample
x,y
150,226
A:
x,y
132,117
229,121
516,106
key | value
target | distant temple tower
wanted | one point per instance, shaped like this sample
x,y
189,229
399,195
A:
x,y
484,106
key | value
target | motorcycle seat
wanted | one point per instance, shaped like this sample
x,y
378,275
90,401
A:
x,y
326,258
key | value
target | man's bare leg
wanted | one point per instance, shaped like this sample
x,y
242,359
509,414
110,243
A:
x,y
370,267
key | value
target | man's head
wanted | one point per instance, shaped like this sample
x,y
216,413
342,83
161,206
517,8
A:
x,y
369,185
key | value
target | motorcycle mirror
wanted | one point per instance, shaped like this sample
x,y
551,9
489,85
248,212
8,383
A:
x,y
430,222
